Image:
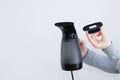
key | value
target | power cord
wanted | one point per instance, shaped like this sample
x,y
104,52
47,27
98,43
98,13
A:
x,y
72,75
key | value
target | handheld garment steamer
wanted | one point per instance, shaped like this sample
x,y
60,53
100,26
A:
x,y
71,58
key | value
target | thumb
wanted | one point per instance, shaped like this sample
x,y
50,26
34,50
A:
x,y
102,32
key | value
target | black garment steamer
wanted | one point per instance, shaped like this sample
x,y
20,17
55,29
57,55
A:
x,y
71,58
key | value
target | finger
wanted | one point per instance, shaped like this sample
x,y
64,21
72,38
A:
x,y
96,34
88,36
91,38
102,33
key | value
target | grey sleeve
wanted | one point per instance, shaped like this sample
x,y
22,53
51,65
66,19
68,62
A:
x,y
113,54
100,60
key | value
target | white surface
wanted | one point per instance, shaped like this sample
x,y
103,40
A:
x,y
30,43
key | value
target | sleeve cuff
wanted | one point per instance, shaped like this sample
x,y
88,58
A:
x,y
111,51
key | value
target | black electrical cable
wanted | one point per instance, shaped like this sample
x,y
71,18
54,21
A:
x,y
72,75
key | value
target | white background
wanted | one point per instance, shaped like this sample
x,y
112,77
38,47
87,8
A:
x,y
30,43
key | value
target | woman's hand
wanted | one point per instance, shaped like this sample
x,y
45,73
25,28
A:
x,y
99,40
